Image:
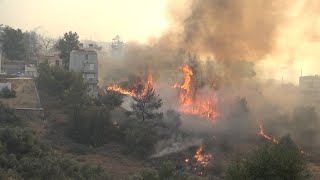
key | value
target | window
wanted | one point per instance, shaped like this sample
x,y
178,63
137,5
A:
x,y
87,56
90,76
91,67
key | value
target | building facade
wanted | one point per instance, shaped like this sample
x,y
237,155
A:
x,y
30,70
52,58
310,90
85,61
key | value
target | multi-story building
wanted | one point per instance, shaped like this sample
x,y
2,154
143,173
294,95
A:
x,y
85,61
310,90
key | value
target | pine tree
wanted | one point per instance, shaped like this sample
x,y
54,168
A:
x,y
146,102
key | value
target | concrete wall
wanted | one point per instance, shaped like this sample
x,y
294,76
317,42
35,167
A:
x,y
80,60
30,70
86,62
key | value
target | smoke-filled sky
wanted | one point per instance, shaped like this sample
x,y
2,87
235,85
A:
x,y
92,19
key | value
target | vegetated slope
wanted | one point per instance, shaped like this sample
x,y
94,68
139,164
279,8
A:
x,y
52,130
109,156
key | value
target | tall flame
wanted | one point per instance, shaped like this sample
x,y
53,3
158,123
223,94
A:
x,y
185,97
204,106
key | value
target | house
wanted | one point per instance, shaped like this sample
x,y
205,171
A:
x,y
30,70
52,58
85,61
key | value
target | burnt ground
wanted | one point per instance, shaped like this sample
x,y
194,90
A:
x,y
111,156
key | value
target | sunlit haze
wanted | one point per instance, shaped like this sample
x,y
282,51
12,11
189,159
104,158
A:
x,y
95,19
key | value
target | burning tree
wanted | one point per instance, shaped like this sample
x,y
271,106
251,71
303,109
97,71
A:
x,y
146,101
192,102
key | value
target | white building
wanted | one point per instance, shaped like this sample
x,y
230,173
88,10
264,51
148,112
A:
x,y
85,61
30,70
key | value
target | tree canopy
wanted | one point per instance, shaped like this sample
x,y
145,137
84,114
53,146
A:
x,y
271,161
146,102
13,43
69,42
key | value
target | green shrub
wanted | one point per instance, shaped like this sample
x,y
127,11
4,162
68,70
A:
x,y
7,93
110,99
140,137
68,86
7,115
92,126
271,161
22,156
149,174
167,170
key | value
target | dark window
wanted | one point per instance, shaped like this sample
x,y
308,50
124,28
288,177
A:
x,y
87,56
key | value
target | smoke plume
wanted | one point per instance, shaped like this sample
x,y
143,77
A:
x,y
232,30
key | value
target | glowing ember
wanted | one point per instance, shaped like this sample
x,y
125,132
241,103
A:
x,y
202,159
263,134
200,106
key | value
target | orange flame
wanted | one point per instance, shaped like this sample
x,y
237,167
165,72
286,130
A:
x,y
146,85
201,106
202,159
120,90
263,134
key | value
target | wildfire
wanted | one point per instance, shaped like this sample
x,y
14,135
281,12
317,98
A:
x,y
202,159
201,106
120,90
146,85
263,134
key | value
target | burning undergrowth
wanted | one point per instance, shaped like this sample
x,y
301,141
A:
x,y
230,123
218,98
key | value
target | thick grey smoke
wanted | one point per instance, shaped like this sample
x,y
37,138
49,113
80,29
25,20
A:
x,y
232,30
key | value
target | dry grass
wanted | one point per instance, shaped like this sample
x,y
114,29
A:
x,y
26,96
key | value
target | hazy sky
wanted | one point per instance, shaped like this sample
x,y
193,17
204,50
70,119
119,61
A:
x,y
92,19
